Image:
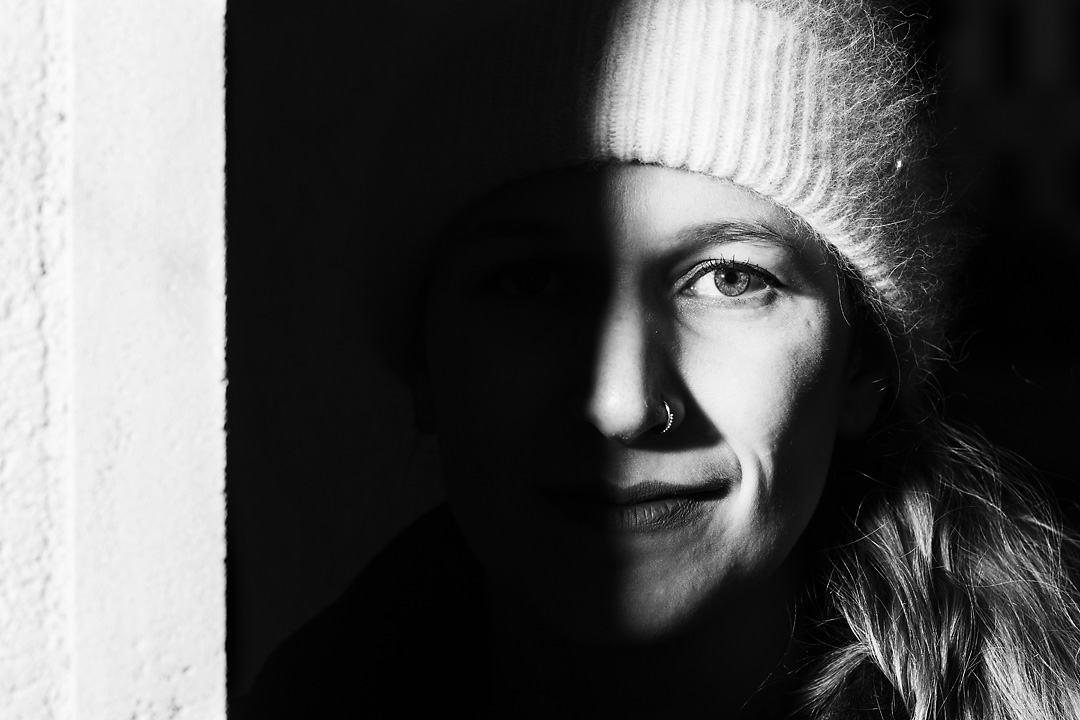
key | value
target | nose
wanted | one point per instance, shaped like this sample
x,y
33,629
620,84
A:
x,y
623,403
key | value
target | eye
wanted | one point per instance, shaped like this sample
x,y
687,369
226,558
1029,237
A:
x,y
722,278
530,278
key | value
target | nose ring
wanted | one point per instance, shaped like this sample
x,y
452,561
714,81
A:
x,y
670,418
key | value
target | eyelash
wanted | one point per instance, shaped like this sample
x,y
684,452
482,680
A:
x,y
712,265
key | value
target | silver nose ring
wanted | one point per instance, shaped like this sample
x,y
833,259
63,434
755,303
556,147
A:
x,y
670,418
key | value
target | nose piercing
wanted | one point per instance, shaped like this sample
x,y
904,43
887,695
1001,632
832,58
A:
x,y
670,417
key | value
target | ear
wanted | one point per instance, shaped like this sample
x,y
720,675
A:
x,y
423,401
863,395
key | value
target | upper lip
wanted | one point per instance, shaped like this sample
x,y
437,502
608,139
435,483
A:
x,y
640,492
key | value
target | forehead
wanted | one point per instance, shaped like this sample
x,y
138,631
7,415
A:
x,y
638,206
656,203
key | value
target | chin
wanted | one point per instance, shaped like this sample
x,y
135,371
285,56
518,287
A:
x,y
620,616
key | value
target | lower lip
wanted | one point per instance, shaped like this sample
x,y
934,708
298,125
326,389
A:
x,y
661,515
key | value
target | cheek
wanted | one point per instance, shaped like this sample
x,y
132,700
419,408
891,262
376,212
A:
x,y
490,397
475,371
774,396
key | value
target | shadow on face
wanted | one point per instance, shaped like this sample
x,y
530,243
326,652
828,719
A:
x,y
637,376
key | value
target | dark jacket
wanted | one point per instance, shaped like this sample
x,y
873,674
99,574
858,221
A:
x,y
407,639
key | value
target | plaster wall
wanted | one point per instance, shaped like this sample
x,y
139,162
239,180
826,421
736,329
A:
x,y
111,359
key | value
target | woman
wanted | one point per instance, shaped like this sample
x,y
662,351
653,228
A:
x,y
669,282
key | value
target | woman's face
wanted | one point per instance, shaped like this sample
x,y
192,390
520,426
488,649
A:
x,y
566,310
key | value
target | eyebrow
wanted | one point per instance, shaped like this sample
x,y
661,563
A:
x,y
709,234
459,238
503,227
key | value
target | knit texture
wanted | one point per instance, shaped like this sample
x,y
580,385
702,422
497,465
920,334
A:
x,y
804,102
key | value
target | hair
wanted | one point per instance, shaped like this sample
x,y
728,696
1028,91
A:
x,y
954,582
944,569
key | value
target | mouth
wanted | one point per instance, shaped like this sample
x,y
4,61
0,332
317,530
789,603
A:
x,y
642,508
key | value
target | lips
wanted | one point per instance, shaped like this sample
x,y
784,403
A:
x,y
643,507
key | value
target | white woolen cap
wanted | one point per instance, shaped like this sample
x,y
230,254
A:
x,y
802,101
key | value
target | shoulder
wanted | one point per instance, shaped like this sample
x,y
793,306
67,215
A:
x,y
415,612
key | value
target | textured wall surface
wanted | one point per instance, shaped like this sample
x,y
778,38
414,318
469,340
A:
x,y
111,359
36,484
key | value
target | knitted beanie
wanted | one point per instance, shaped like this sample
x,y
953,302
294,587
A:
x,y
806,102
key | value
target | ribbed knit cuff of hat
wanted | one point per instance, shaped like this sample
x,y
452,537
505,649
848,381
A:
x,y
792,99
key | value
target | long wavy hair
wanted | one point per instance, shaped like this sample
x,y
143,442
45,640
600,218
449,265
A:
x,y
944,574
952,581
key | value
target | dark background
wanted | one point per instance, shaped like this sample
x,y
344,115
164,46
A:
x,y
323,468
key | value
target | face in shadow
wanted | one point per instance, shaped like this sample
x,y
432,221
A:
x,y
568,314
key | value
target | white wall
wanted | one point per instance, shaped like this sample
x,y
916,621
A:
x,y
111,359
